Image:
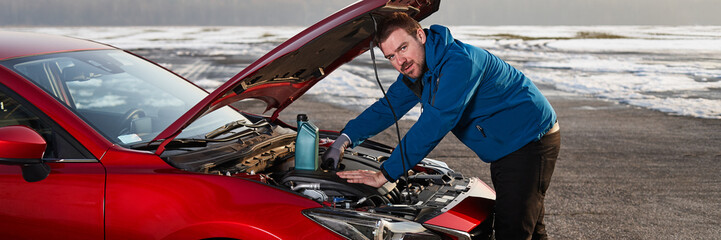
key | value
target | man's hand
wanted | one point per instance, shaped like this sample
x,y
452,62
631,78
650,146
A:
x,y
370,178
334,154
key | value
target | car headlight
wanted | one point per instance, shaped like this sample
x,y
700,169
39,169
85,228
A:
x,y
363,225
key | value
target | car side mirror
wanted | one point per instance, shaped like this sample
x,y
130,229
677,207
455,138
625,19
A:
x,y
22,146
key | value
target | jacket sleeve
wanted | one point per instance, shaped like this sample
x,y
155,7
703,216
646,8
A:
x,y
455,88
378,116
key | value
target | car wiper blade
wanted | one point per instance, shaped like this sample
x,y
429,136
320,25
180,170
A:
x,y
175,143
199,142
233,125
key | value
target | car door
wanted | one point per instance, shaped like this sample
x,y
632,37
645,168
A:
x,y
68,203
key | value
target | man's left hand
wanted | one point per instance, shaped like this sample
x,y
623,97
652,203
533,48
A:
x,y
370,178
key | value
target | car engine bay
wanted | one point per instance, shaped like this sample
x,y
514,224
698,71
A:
x,y
267,155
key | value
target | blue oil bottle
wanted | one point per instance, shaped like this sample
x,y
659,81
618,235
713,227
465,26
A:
x,y
306,145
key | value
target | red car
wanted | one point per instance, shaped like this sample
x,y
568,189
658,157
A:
x,y
98,143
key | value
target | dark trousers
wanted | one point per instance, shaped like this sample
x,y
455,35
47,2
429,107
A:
x,y
521,180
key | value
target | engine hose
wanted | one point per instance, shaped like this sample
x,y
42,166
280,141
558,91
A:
x,y
313,186
383,200
396,194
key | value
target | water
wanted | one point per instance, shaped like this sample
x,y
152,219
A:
x,y
671,69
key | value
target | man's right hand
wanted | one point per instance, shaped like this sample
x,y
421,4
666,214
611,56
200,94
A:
x,y
334,154
370,178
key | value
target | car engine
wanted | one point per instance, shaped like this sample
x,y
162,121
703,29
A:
x,y
267,155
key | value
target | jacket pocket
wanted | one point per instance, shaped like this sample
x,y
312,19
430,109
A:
x,y
480,129
487,134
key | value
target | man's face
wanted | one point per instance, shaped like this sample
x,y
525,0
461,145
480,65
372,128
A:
x,y
406,52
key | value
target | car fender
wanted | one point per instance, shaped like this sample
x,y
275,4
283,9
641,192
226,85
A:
x,y
148,199
229,230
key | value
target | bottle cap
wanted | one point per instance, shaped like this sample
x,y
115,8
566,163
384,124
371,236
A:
x,y
302,117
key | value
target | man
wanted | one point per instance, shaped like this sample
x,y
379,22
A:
x,y
489,105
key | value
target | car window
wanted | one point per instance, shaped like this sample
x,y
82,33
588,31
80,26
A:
x,y
125,98
12,112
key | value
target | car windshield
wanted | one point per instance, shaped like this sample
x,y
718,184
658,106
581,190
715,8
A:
x,y
125,98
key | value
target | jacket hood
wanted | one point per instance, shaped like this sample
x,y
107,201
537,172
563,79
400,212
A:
x,y
438,41
288,71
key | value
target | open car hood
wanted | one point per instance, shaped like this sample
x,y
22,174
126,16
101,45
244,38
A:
x,y
285,73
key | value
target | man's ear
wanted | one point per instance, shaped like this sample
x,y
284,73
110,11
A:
x,y
421,35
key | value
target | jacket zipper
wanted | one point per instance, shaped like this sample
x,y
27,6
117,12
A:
x,y
433,101
481,130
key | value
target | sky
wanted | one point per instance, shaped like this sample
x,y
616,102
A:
x,y
306,12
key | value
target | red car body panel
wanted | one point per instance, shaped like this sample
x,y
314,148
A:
x,y
27,44
465,216
67,204
178,203
70,201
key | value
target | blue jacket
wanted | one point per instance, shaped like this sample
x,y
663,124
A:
x,y
489,105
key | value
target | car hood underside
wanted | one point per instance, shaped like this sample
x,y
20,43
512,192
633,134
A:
x,y
288,71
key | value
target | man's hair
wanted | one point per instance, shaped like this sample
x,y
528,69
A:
x,y
394,21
